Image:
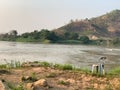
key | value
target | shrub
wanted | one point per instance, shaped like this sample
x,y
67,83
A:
x,y
45,64
63,67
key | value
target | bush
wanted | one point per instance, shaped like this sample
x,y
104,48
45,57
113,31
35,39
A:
x,y
45,64
64,67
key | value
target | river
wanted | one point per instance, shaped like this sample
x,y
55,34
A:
x,y
82,56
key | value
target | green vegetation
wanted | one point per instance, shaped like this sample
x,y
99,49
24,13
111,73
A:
x,y
4,68
115,71
45,64
63,67
13,87
10,65
67,69
116,41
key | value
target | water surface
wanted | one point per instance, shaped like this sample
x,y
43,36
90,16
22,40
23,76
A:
x,y
77,55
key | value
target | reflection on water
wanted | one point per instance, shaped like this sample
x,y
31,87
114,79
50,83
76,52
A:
x,y
78,55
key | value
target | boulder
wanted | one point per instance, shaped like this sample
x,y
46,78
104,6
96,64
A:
x,y
41,82
29,86
2,87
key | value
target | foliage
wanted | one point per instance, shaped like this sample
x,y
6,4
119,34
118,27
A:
x,y
84,39
116,41
33,76
105,26
14,87
64,67
45,64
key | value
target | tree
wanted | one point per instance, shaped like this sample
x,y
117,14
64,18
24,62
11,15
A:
x,y
44,34
25,35
84,39
52,36
13,32
70,36
73,36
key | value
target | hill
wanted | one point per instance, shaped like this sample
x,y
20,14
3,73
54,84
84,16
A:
x,y
107,26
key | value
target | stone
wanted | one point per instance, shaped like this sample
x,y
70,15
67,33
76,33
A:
x,y
72,81
41,82
29,86
26,78
2,87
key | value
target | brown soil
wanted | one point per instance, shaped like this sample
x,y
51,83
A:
x,y
63,80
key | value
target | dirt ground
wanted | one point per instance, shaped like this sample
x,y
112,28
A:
x,y
61,79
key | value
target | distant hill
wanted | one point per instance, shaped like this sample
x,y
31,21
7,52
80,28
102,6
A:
x,y
105,26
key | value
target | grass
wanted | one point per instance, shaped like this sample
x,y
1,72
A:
x,y
115,71
3,66
63,67
11,64
11,86
45,64
83,70
17,64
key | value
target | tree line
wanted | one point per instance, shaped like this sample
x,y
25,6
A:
x,y
48,36
42,35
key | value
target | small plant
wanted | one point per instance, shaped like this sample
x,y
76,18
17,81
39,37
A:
x,y
12,64
63,67
33,76
17,64
3,66
63,82
67,67
45,64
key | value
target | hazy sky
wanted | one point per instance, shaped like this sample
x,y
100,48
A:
x,y
30,15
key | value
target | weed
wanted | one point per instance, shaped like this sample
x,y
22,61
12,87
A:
x,y
63,82
33,76
67,67
63,67
45,64
14,87
3,66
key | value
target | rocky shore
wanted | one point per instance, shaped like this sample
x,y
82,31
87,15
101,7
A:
x,y
48,78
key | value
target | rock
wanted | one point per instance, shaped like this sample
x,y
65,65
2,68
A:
x,y
41,82
29,86
38,85
2,87
26,78
72,81
95,85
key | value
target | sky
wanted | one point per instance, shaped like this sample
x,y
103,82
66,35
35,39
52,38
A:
x,y
29,15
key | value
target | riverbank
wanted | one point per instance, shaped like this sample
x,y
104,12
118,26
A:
x,y
45,76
